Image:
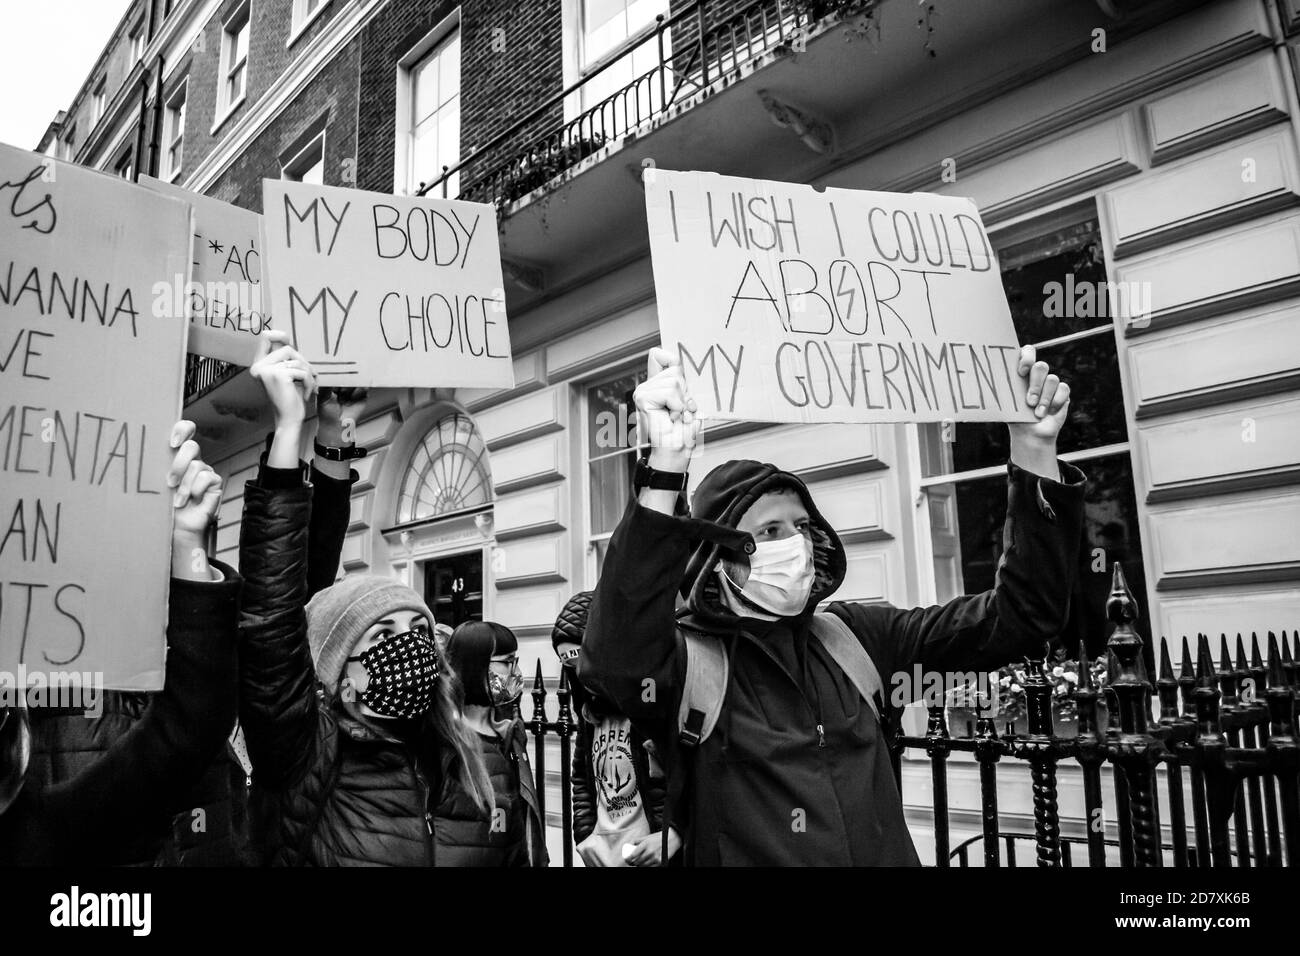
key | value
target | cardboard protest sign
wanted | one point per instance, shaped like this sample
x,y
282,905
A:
x,y
787,304
377,290
91,373
224,297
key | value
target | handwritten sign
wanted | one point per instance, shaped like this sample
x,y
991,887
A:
x,y
91,378
224,296
388,290
787,304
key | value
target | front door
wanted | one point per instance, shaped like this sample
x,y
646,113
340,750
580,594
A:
x,y
453,587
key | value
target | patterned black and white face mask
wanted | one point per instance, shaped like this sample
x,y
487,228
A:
x,y
403,672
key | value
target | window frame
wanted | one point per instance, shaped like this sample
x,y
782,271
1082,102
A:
x,y
125,158
174,107
302,18
99,101
136,37
238,20
404,172
577,68
293,168
1034,223
591,539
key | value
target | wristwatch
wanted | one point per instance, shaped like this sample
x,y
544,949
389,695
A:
x,y
330,453
647,477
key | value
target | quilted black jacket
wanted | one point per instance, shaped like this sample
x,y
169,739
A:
x,y
66,743
105,794
517,835
341,791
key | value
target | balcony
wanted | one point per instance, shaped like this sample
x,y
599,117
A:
x,y
795,90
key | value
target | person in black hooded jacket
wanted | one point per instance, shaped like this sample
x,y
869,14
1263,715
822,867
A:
x,y
797,768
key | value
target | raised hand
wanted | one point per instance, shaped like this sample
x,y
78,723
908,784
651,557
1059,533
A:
x,y
666,412
337,412
196,498
1033,444
286,377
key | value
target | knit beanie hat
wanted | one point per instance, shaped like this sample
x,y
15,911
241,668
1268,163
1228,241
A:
x,y
338,616
571,625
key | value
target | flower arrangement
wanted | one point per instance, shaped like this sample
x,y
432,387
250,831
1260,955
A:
x,y
1062,675
1012,704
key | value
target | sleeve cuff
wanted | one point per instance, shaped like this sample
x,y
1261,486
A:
x,y
278,479
1049,495
320,479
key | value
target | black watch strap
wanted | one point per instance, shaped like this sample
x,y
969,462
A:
x,y
647,477
330,453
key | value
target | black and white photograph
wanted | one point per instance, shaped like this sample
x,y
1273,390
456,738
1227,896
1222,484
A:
x,y
768,435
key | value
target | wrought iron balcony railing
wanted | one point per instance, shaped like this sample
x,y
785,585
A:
x,y
691,49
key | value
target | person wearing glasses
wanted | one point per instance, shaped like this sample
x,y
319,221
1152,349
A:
x,y
485,657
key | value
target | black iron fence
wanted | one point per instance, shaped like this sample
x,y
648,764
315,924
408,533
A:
x,y
700,44
1224,740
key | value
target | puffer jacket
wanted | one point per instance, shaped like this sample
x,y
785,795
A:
x,y
217,826
104,794
794,740
516,834
340,791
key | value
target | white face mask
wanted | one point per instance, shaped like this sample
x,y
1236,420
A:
x,y
780,576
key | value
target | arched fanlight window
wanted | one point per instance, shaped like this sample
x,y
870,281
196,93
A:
x,y
447,472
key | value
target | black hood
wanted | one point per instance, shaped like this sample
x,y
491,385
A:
x,y
724,495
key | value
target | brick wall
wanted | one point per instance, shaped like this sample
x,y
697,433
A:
x,y
329,100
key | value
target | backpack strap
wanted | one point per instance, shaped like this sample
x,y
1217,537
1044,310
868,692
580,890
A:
x,y
707,671
847,651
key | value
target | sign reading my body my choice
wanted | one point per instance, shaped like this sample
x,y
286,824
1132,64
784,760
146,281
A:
x,y
379,290
90,378
787,304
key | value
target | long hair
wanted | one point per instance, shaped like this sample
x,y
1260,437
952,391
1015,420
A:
x,y
469,649
467,761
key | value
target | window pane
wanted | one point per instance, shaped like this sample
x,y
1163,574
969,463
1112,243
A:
x,y
1051,283
425,100
611,489
1091,369
448,135
241,43
424,154
315,173
610,418
449,68
1110,535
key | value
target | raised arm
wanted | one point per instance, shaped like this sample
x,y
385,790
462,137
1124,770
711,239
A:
x,y
1030,600
147,774
277,681
337,412
630,653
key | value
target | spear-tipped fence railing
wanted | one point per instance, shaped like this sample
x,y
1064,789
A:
x,y
1225,735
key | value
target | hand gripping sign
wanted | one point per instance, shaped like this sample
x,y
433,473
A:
x,y
789,304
